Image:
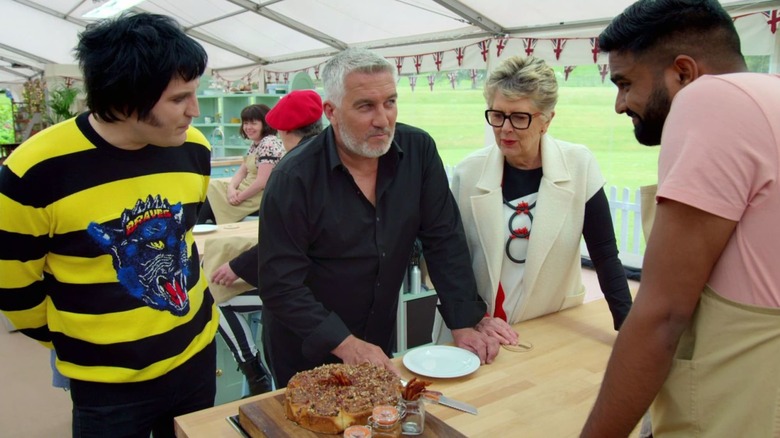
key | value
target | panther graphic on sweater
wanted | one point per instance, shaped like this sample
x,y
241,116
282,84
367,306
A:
x,y
149,253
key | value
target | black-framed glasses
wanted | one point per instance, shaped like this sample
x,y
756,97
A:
x,y
518,120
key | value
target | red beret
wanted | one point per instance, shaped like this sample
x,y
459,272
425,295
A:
x,y
298,109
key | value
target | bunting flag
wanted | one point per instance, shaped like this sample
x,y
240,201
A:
x,y
500,44
317,72
437,58
459,53
603,70
558,44
773,19
399,63
412,82
529,44
276,77
417,62
473,74
268,77
453,78
431,80
566,70
594,44
286,76
484,48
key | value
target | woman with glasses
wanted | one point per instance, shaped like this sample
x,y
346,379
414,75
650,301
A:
x,y
527,201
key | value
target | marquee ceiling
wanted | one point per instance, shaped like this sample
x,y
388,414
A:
x,y
244,37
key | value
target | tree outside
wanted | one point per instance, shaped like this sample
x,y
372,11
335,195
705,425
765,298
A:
x,y
6,119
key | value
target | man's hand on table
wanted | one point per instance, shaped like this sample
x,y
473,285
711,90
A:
x,y
484,346
223,276
353,351
499,329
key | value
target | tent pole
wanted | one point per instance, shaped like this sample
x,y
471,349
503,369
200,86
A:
x,y
774,58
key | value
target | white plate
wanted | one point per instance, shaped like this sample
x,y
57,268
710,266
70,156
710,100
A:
x,y
204,228
441,361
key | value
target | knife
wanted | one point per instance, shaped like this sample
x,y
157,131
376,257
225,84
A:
x,y
437,397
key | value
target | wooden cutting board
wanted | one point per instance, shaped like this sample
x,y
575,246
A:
x,y
266,418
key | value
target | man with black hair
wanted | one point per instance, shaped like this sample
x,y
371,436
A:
x,y
97,257
702,341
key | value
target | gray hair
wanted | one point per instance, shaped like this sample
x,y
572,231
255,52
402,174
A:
x,y
351,60
309,130
529,77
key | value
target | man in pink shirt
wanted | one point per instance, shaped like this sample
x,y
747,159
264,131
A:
x,y
702,341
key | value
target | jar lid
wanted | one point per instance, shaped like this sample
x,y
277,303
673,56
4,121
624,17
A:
x,y
357,432
385,414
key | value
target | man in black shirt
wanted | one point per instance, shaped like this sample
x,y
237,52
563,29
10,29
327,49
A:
x,y
338,220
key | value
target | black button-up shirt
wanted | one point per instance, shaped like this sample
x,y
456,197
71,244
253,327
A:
x,y
331,263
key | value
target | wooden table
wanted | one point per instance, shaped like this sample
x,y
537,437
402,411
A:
x,y
546,392
247,228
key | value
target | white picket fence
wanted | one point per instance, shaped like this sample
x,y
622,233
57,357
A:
x,y
626,217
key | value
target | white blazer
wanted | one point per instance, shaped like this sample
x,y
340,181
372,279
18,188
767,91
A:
x,y
553,277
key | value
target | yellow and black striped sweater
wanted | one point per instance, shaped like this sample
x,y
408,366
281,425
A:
x,y
97,256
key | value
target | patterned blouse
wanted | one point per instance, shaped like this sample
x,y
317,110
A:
x,y
268,150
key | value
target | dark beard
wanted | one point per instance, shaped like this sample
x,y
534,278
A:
x,y
650,127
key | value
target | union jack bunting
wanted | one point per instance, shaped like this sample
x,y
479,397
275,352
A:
x,y
399,63
453,77
459,52
431,80
268,77
594,44
566,70
773,19
317,72
412,81
417,62
500,44
558,44
529,44
603,70
276,77
473,74
286,76
437,58
484,48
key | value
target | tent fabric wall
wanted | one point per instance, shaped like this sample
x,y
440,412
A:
x,y
246,38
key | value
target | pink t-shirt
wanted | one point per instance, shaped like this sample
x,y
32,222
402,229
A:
x,y
720,152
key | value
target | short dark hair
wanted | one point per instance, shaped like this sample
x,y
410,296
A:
x,y
257,112
701,29
129,61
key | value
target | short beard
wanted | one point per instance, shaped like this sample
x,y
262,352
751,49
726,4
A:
x,y
364,149
650,127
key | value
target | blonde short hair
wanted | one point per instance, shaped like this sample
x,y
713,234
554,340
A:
x,y
518,77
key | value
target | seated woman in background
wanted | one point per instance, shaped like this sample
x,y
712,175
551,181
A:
x,y
232,201
527,201
297,117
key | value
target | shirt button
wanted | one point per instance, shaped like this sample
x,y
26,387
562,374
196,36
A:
x,y
383,254
377,219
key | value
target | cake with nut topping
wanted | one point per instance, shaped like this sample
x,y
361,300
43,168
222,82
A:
x,y
332,397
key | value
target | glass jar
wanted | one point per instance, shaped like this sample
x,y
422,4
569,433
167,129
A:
x,y
357,432
385,422
413,421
